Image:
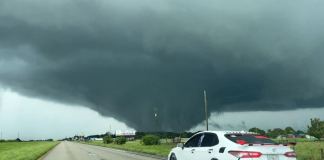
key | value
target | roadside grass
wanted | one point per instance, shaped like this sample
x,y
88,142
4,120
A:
x,y
306,150
24,150
309,150
136,146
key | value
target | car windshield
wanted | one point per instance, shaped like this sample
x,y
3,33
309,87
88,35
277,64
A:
x,y
249,139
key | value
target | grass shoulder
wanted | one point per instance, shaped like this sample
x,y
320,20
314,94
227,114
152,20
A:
x,y
25,150
309,150
162,149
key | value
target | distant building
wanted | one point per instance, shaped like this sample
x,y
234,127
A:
x,y
129,134
176,140
96,139
300,135
291,136
310,137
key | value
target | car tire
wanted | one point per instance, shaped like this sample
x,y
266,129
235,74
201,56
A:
x,y
173,157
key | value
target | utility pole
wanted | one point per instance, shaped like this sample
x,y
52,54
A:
x,y
206,109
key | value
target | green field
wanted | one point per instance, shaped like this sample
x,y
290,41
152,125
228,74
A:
x,y
135,146
305,150
24,150
309,150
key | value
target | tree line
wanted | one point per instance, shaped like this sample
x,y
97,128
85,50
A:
x,y
316,129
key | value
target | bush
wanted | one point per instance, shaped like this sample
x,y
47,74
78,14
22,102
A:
x,y
120,140
107,139
151,140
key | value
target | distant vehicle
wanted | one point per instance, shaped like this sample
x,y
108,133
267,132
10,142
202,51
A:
x,y
230,145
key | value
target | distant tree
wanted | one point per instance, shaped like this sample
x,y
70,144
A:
x,y
257,130
151,140
300,132
316,128
120,140
290,130
275,133
269,133
107,139
186,135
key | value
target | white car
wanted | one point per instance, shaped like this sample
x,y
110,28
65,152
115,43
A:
x,y
231,145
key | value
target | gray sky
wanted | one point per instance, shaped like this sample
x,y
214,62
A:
x,y
129,60
38,119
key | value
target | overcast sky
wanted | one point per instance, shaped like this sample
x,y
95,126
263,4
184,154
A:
x,y
38,119
129,60
31,118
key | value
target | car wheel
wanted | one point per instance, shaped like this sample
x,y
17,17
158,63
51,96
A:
x,y
173,157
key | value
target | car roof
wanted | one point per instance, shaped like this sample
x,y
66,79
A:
x,y
227,132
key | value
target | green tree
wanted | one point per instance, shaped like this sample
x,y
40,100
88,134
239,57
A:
x,y
275,132
300,132
120,140
316,128
290,130
257,130
107,139
151,140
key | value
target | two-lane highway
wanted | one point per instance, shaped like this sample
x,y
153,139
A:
x,y
77,151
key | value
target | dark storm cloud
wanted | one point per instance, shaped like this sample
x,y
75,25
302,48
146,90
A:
x,y
130,59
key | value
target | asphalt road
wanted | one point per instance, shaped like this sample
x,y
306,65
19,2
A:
x,y
77,151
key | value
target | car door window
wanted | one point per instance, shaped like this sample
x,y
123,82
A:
x,y
193,142
201,139
209,139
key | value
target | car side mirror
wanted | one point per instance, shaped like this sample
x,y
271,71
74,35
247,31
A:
x,y
180,145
